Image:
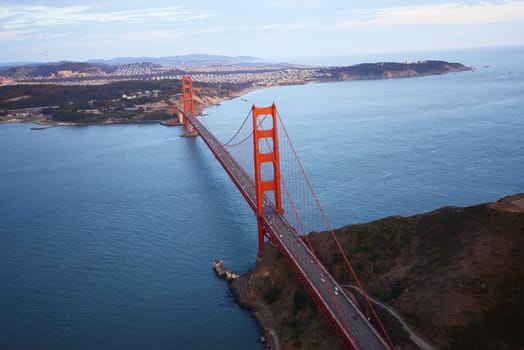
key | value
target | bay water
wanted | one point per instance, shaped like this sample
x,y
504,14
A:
x,y
107,232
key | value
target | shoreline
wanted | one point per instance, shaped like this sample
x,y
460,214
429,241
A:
x,y
235,94
238,286
258,310
51,125
337,74
201,111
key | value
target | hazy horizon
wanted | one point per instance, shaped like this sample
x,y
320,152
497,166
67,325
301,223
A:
x,y
55,30
311,60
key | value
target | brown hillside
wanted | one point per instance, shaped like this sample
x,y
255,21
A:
x,y
455,274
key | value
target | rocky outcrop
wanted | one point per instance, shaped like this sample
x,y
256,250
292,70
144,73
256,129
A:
x,y
222,272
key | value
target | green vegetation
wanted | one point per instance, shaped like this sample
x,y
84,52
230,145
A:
x,y
393,69
157,116
121,101
301,300
91,103
429,263
272,294
392,292
79,96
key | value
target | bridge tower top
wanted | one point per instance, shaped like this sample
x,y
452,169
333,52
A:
x,y
189,105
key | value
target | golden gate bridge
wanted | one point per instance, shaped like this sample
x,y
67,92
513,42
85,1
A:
x,y
267,172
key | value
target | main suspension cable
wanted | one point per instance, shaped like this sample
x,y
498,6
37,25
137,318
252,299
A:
x,y
331,230
238,131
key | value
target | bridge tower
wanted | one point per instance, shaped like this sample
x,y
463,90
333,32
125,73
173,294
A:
x,y
267,164
189,106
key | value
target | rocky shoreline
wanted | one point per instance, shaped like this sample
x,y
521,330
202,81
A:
x,y
238,286
259,311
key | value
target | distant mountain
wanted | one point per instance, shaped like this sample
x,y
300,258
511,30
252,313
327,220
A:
x,y
8,65
184,60
56,69
104,71
14,64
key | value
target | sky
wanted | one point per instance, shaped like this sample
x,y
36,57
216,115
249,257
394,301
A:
x,y
53,30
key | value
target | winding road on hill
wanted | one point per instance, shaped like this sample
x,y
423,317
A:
x,y
421,342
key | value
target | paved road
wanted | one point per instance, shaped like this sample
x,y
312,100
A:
x,y
422,343
341,312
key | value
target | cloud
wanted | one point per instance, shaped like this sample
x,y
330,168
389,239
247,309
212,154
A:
x,y
285,27
14,20
14,35
441,14
144,35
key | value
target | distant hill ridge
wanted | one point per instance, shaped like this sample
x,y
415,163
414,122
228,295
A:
x,y
190,59
244,69
381,70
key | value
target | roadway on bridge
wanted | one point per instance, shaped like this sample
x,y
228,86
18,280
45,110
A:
x,y
325,290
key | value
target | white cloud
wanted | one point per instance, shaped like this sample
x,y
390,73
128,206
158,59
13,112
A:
x,y
144,35
13,35
19,17
442,14
286,27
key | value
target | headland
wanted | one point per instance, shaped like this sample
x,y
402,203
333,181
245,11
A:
x,y
453,276
77,94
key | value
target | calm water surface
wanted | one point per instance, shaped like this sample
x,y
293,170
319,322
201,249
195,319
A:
x,y
107,233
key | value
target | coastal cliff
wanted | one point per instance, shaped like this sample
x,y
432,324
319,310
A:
x,y
387,70
456,276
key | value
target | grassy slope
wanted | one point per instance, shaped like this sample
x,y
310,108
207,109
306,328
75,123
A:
x,y
456,274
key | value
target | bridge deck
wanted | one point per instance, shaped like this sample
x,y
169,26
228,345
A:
x,y
340,311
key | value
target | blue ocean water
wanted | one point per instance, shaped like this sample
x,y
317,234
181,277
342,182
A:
x,y
404,146
107,233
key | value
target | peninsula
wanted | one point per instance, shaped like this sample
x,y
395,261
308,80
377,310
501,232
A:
x,y
454,276
83,93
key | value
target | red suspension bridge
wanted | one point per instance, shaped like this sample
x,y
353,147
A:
x,y
269,176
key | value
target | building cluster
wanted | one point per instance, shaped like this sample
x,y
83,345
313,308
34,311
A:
x,y
261,78
256,75
140,94
255,78
139,69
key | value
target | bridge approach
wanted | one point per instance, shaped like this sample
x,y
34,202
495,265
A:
x,y
353,328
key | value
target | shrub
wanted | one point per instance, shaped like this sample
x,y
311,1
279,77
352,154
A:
x,y
272,295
